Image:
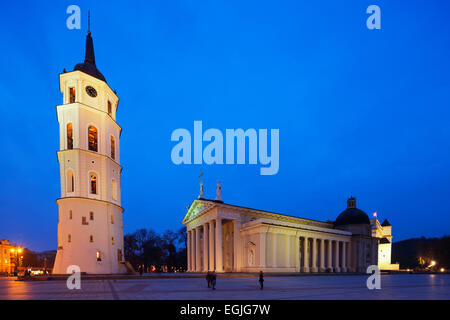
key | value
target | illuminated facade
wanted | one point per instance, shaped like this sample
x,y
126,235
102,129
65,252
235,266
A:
x,y
8,257
90,228
384,233
229,238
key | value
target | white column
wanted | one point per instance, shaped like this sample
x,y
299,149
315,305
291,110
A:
x,y
305,254
198,262
262,250
193,251
322,255
189,259
274,250
297,253
205,247
330,255
211,245
237,246
288,251
219,249
314,257
349,257
344,257
337,268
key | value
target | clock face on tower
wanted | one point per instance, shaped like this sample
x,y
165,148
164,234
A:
x,y
91,91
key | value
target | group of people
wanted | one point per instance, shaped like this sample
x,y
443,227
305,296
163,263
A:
x,y
211,278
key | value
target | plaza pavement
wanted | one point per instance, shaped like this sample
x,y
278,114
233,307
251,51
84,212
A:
x,y
353,287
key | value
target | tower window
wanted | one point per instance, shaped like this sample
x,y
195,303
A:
x,y
92,138
112,219
84,221
112,240
71,95
113,148
99,256
70,214
70,181
119,255
114,189
91,215
69,136
109,109
91,238
93,184
69,238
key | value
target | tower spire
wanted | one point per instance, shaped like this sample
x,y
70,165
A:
x,y
89,54
89,66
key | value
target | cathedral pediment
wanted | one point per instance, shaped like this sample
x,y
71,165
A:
x,y
196,209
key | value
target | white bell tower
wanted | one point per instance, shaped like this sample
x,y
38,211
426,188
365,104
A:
x,y
90,228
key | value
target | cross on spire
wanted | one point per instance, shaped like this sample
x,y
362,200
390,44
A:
x,y
201,195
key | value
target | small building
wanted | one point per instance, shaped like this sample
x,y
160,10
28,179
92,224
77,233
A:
x,y
230,238
6,258
384,233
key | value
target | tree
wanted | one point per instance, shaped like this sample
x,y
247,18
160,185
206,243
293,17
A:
x,y
146,247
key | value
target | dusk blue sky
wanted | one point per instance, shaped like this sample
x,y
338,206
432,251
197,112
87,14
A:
x,y
359,111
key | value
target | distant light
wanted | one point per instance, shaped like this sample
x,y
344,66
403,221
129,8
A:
x,y
19,250
442,269
433,263
12,249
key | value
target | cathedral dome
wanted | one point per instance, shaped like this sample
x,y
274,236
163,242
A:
x,y
352,215
88,66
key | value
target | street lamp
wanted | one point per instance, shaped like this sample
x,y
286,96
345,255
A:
x,y
16,260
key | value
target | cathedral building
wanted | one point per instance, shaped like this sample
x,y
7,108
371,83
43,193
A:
x,y
90,231
229,238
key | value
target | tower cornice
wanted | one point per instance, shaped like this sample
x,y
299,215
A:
x,y
89,152
90,108
91,199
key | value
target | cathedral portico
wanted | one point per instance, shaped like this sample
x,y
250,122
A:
x,y
232,238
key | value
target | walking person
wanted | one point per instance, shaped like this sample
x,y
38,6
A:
x,y
208,278
261,280
213,280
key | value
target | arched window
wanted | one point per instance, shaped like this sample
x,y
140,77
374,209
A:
x,y
70,181
71,95
69,238
93,183
109,108
92,138
70,215
114,189
91,238
69,136
113,148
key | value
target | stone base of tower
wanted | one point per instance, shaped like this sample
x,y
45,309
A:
x,y
62,265
90,236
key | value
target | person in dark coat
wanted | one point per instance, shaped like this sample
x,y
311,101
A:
x,y
213,280
261,280
208,278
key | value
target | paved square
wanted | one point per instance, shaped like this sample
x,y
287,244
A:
x,y
292,288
